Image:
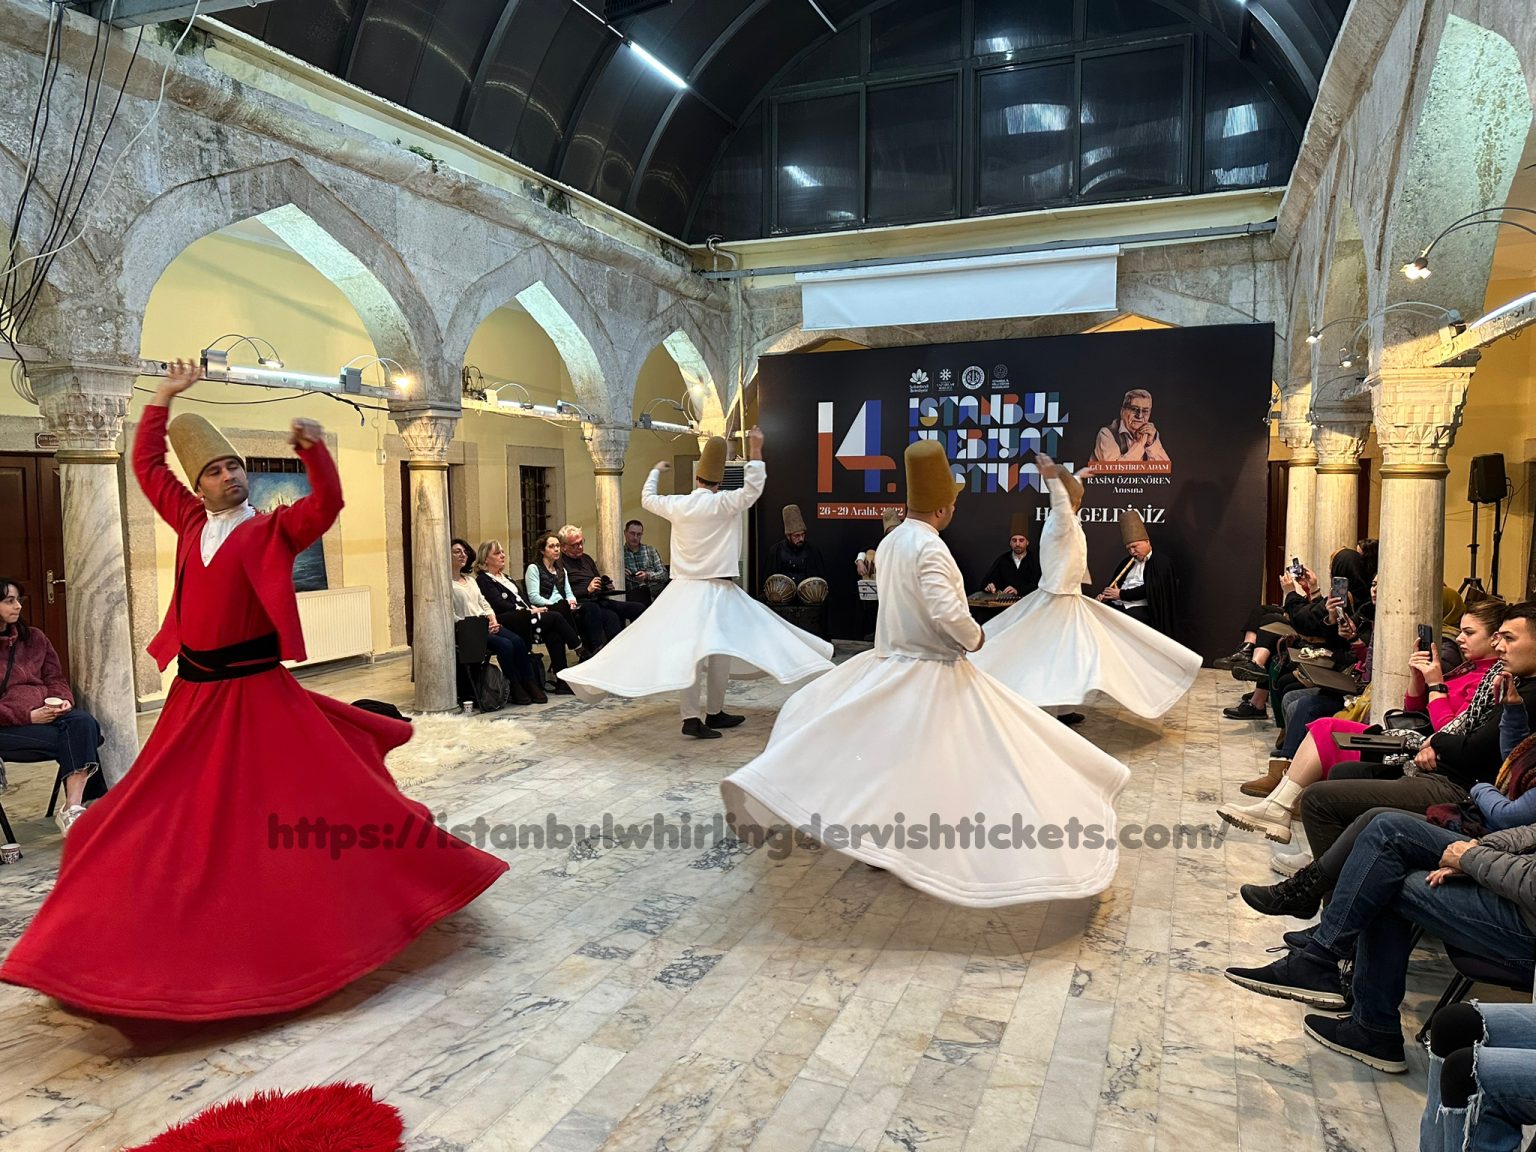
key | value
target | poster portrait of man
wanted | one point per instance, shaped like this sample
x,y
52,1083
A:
x,y
1132,438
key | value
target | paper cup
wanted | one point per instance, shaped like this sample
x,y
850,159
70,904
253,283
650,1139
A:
x,y
53,702
10,853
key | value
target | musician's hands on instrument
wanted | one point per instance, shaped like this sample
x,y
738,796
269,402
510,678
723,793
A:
x,y
990,588
1010,591
1110,593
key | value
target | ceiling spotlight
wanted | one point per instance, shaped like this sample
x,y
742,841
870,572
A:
x,y
1417,268
1314,336
1347,360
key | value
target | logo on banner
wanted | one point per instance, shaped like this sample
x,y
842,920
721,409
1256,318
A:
x,y
973,377
859,450
1000,372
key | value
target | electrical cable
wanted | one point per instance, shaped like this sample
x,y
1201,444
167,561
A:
x,y
123,152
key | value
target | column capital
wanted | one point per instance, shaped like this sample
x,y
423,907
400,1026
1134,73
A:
x,y
427,431
85,406
608,444
1416,413
1297,435
1339,429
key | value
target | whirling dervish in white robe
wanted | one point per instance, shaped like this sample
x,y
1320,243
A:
x,y
1057,646
703,630
890,757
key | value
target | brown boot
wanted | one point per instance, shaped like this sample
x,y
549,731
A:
x,y
1264,785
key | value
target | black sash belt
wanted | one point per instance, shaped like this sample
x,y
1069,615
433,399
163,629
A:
x,y
247,658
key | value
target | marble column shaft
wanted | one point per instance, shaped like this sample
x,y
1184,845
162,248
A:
x,y
1337,523
85,407
427,436
1301,494
608,446
1417,412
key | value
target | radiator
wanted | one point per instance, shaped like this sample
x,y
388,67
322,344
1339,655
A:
x,y
338,623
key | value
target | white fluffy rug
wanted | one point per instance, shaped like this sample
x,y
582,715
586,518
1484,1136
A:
x,y
444,742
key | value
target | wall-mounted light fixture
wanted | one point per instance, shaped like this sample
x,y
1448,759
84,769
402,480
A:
x,y
1418,268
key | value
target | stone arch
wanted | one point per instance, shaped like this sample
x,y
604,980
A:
x,y
699,380
75,268
547,293
313,221
1462,157
1345,296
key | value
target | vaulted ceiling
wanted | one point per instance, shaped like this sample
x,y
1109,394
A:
x,y
550,84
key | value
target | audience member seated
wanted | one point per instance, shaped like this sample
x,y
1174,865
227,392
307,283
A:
x,y
1463,753
554,623
38,717
1358,566
1017,571
1262,615
548,586
1315,621
593,589
1404,874
1480,1085
508,647
794,556
1507,803
644,573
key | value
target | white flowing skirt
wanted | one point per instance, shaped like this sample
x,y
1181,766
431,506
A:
x,y
690,621
896,743
1054,650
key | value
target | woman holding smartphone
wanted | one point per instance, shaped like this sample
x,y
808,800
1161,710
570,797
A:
x,y
1456,703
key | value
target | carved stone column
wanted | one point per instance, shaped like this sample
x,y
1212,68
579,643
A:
x,y
1339,433
1417,413
84,405
1301,498
427,433
608,444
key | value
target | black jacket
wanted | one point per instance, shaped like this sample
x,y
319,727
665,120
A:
x,y
1023,579
1469,758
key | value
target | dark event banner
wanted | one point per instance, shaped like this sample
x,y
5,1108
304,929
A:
x,y
1189,453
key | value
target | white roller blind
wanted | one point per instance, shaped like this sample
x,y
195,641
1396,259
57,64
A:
x,y
979,288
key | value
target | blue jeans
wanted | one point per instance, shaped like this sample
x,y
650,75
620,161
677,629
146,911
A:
x,y
1383,895
512,654
72,740
1506,1088
1301,708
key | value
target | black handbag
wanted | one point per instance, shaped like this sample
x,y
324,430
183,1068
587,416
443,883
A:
x,y
1399,720
490,688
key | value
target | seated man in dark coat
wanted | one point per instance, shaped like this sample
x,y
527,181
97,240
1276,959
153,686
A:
x,y
1017,571
792,556
1146,588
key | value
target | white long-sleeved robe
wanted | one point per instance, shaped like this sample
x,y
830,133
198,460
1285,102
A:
x,y
1057,646
911,733
701,612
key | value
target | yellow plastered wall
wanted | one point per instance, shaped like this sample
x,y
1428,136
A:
x,y
1498,417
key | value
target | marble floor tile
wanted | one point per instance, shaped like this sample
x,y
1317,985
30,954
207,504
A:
x,y
714,999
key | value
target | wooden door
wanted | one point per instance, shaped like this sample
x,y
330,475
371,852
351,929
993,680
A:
x,y
32,547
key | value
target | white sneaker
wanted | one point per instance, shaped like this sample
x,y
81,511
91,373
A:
x,y
1288,863
65,817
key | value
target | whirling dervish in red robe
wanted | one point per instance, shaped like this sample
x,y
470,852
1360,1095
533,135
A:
x,y
189,892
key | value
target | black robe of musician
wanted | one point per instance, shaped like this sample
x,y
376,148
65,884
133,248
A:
x,y
1160,590
797,563
1023,577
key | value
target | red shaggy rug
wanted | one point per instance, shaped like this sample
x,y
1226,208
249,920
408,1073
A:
x,y
331,1118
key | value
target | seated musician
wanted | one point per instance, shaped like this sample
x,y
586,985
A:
x,y
1017,571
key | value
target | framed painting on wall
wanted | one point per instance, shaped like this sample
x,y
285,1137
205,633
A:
x,y
276,483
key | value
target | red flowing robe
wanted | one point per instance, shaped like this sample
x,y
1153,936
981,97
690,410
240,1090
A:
x,y
192,891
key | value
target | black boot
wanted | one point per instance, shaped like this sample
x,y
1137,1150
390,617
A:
x,y
517,693
699,730
1242,655
534,691
1300,895
723,719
